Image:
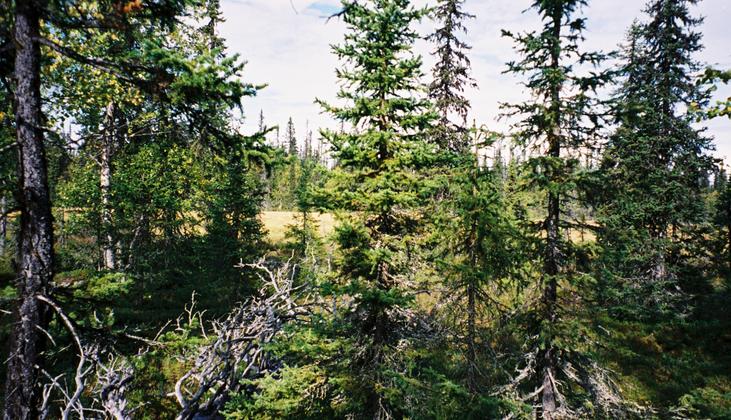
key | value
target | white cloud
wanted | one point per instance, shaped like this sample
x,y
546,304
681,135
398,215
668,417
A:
x,y
287,44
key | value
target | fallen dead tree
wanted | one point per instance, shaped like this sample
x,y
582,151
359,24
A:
x,y
575,370
236,349
233,350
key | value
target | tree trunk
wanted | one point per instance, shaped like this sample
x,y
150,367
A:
x,y
473,245
105,182
548,396
36,222
550,293
471,328
728,233
3,224
659,269
553,252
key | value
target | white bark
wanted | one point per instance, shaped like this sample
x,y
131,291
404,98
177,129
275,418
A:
x,y
105,182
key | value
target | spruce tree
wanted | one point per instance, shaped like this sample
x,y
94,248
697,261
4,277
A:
x,y
480,250
377,183
262,124
291,138
451,75
307,153
213,13
722,220
304,232
655,162
559,123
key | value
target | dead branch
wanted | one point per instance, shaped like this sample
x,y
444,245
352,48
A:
x,y
112,379
81,369
236,351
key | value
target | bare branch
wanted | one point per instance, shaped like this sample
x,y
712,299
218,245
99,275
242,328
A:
x,y
235,351
8,147
81,372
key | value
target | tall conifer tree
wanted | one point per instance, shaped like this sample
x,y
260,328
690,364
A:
x,y
451,76
555,122
291,138
377,179
656,161
481,249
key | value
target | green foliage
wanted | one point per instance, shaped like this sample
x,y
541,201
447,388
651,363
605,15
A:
x,y
378,183
282,185
482,253
453,286
654,165
295,393
314,383
561,121
721,108
317,382
303,237
185,191
708,402
376,165
104,288
451,76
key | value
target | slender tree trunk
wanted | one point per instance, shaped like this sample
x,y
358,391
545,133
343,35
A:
x,y
36,222
728,231
728,246
3,223
658,271
472,244
305,234
105,182
552,256
550,292
471,333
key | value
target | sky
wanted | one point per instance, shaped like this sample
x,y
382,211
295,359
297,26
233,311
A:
x,y
287,46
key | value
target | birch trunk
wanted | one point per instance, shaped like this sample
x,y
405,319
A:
x,y
105,182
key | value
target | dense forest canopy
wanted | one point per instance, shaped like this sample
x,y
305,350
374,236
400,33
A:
x,y
169,251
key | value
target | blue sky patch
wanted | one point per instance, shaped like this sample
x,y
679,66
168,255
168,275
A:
x,y
324,8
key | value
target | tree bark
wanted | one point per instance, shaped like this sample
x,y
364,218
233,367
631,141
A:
x,y
105,183
3,223
659,269
36,221
550,293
